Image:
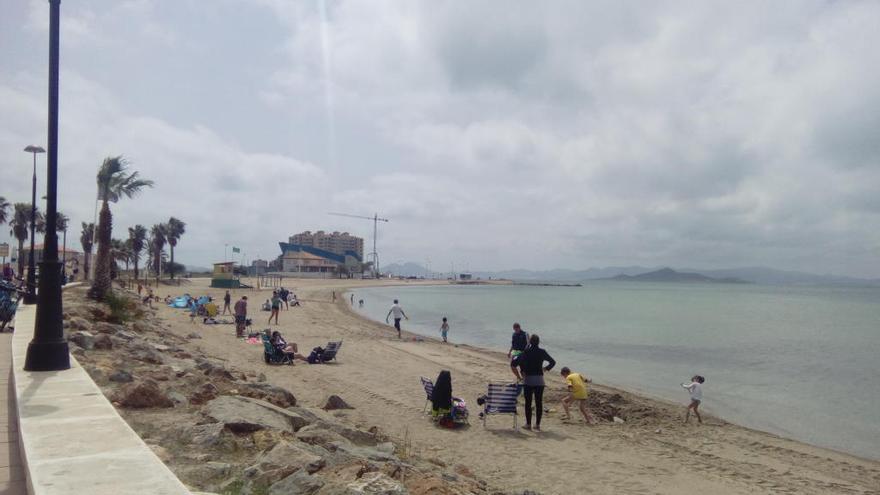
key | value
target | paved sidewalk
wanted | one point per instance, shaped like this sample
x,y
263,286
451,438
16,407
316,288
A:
x,y
12,479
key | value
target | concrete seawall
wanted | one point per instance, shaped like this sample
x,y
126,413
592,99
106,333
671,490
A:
x,y
71,438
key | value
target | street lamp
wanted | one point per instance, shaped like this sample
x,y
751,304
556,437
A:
x,y
48,350
31,296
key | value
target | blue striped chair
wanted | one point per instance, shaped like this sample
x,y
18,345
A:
x,y
428,385
501,399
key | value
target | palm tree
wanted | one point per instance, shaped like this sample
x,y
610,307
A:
x,y
85,238
137,236
61,222
119,252
113,183
173,230
4,210
20,228
157,244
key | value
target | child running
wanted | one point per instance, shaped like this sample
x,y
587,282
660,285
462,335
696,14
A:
x,y
577,392
444,329
696,390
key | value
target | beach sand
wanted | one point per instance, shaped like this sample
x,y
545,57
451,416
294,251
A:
x,y
652,452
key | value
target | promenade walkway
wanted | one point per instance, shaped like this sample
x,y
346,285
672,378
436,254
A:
x,y
12,478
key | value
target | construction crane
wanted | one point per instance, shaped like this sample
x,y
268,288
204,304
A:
x,y
375,218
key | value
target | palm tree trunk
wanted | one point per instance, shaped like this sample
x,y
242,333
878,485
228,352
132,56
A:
x,y
20,258
102,284
171,267
87,257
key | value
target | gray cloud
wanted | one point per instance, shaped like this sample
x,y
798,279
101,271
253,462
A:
x,y
507,134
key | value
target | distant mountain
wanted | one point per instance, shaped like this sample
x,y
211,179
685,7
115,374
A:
x,y
670,275
758,275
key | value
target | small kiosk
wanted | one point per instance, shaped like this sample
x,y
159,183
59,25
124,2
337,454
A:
x,y
224,276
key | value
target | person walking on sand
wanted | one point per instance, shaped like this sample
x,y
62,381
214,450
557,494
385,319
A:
x,y
140,289
352,300
695,388
276,307
531,362
227,300
240,316
518,343
285,295
577,392
398,315
444,329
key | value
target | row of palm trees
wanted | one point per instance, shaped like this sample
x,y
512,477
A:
x,y
20,224
115,182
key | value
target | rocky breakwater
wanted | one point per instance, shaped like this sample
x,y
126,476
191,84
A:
x,y
225,431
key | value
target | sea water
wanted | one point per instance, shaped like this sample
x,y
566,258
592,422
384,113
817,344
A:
x,y
799,362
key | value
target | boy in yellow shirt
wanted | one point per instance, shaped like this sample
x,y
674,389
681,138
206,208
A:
x,y
577,392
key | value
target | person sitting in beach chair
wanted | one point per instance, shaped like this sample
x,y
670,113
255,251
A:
x,y
271,354
283,346
446,410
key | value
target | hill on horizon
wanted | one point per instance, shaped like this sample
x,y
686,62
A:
x,y
754,274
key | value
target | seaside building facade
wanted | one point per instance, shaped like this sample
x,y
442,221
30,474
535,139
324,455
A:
x,y
311,262
338,243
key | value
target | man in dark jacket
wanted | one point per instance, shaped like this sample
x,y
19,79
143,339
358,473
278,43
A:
x,y
518,343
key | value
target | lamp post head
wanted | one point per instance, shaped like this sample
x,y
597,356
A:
x,y
35,149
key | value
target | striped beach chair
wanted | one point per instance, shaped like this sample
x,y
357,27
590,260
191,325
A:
x,y
428,385
501,399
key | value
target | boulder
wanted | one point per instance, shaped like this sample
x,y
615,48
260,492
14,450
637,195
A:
x,y
280,461
261,377
83,339
178,398
281,397
243,415
318,435
299,482
335,402
102,341
193,335
203,435
121,376
142,394
376,483
206,392
108,328
147,354
78,323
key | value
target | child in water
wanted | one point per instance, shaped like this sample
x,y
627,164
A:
x,y
444,329
696,391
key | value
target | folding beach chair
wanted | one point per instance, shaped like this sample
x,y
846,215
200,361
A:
x,y
272,355
330,351
501,399
428,385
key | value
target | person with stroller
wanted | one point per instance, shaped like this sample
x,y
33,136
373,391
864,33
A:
x,y
283,346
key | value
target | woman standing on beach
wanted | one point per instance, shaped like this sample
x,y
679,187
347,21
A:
x,y
531,364
276,307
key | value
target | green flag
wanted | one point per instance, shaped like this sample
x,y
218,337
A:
x,y
235,249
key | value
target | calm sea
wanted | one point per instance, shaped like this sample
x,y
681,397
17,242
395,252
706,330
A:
x,y
803,363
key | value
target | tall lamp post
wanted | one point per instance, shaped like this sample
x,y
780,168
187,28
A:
x,y
48,349
31,296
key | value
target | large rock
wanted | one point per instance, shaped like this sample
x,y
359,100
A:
x,y
121,376
206,392
142,394
78,323
83,339
108,328
335,402
270,393
243,415
318,435
102,341
299,482
207,435
376,483
280,461
147,354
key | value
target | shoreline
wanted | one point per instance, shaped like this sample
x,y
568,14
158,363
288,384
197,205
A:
x,y
604,387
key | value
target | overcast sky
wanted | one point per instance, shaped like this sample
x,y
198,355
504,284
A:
x,y
493,134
